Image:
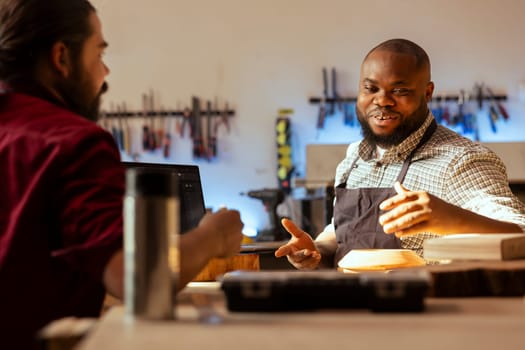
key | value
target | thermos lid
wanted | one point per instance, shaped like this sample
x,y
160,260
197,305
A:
x,y
151,182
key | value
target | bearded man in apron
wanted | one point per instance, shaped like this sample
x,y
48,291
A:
x,y
408,179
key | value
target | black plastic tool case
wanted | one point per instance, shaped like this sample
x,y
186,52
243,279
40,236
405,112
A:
x,y
274,291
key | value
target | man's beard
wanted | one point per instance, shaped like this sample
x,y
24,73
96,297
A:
x,y
76,92
408,125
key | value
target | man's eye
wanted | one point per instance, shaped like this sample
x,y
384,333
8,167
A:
x,y
401,92
369,88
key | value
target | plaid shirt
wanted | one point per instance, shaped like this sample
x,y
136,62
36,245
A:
x,y
448,166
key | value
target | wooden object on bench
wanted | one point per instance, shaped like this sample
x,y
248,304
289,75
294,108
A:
x,y
217,267
478,278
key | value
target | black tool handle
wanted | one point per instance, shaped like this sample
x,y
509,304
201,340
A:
x,y
321,116
197,133
145,128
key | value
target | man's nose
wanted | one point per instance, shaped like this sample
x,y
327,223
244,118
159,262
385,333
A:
x,y
383,99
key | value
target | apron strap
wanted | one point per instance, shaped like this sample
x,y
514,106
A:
x,y
345,176
426,136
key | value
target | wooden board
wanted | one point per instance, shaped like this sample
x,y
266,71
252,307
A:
x,y
217,267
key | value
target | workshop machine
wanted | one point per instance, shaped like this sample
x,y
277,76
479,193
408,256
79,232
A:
x,y
271,198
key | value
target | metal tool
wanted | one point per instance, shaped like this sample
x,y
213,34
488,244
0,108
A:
x,y
119,134
124,127
349,114
166,142
211,137
145,127
322,105
335,94
197,133
446,111
223,118
186,122
502,111
153,137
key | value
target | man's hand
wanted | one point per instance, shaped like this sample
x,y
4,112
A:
x,y
300,250
225,226
411,212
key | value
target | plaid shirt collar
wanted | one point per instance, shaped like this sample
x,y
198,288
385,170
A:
x,y
397,153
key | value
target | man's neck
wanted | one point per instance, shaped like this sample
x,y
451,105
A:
x,y
36,89
380,152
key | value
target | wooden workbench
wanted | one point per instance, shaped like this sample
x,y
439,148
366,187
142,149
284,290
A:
x,y
448,323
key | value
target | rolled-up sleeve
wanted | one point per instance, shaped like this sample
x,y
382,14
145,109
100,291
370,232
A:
x,y
91,203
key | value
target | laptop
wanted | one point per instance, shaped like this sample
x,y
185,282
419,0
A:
x,y
192,207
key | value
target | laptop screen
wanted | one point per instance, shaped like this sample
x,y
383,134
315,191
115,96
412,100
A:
x,y
192,207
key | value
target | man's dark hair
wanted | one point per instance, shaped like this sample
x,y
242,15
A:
x,y
407,47
29,28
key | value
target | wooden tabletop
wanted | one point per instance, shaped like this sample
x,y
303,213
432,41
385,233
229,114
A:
x,y
204,323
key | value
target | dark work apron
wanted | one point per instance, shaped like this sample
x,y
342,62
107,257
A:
x,y
356,211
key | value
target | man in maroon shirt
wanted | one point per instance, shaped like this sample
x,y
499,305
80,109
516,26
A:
x,y
61,179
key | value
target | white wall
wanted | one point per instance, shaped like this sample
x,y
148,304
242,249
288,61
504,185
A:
x,y
262,55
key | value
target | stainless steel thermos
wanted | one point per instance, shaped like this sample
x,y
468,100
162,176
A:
x,y
151,243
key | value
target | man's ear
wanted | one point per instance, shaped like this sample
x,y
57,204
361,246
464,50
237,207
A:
x,y
429,90
61,61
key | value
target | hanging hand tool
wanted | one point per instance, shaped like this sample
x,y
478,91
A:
x,y
113,116
460,118
166,141
186,121
479,95
117,134
120,130
153,137
457,118
437,111
145,128
322,106
326,94
493,112
446,111
211,149
131,144
493,115
125,130
501,109
178,123
197,133
335,94
159,133
322,114
204,133
469,123
348,114
223,117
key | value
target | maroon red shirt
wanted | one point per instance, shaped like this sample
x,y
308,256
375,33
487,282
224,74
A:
x,y
61,190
